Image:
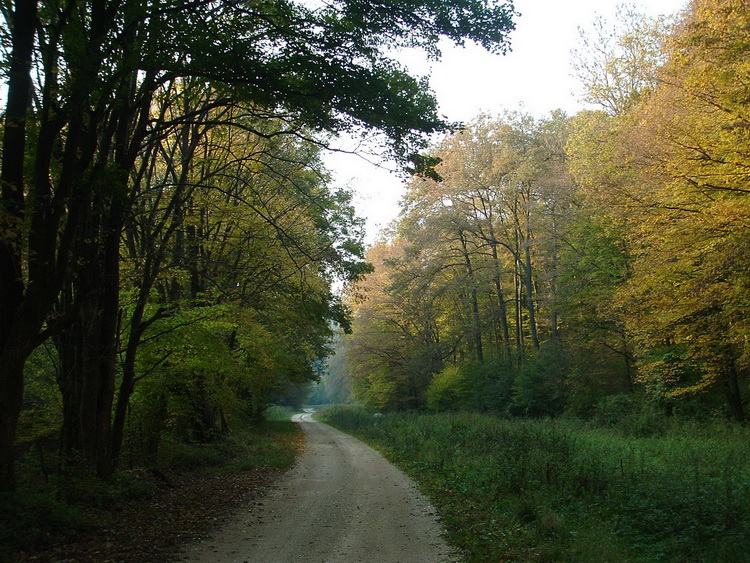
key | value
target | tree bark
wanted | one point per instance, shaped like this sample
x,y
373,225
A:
x,y
13,356
477,328
732,390
502,308
88,347
529,286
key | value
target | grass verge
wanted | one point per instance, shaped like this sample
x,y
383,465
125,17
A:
x,y
558,490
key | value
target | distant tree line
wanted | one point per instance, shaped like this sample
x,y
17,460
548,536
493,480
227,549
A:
x,y
571,263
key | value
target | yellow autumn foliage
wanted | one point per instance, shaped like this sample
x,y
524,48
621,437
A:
x,y
689,144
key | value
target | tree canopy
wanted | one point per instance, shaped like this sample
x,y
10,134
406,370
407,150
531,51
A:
x,y
564,260
182,135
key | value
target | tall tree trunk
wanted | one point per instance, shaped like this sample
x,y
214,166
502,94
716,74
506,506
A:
x,y
628,357
732,389
127,384
477,328
11,398
109,341
517,282
13,357
553,300
88,347
529,286
502,308
528,279
518,298
122,132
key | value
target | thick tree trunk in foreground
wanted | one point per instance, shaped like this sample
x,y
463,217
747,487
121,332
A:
x,y
13,356
88,352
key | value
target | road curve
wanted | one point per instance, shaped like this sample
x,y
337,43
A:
x,y
342,503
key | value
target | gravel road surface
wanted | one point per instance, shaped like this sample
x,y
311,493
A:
x,y
342,503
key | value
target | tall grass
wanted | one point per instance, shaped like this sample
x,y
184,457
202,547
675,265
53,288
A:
x,y
558,490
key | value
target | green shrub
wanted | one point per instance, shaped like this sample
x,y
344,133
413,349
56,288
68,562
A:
x,y
278,413
491,386
30,518
448,389
268,444
612,410
177,454
632,415
539,388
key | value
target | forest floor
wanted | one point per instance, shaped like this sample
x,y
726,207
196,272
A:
x,y
187,507
149,515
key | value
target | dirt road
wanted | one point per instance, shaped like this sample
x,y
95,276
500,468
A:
x,y
342,503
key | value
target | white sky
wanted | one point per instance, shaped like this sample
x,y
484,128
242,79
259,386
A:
x,y
535,77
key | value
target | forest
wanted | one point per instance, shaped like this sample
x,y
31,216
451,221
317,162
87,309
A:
x,y
589,265
556,327
170,241
172,248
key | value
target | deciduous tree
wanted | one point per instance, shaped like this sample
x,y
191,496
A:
x,y
690,144
98,65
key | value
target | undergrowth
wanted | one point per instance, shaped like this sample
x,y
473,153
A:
x,y
46,510
559,490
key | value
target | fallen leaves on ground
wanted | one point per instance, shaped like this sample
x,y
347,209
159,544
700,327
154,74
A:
x,y
186,508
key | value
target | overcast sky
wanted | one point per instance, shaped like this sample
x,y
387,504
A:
x,y
536,77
